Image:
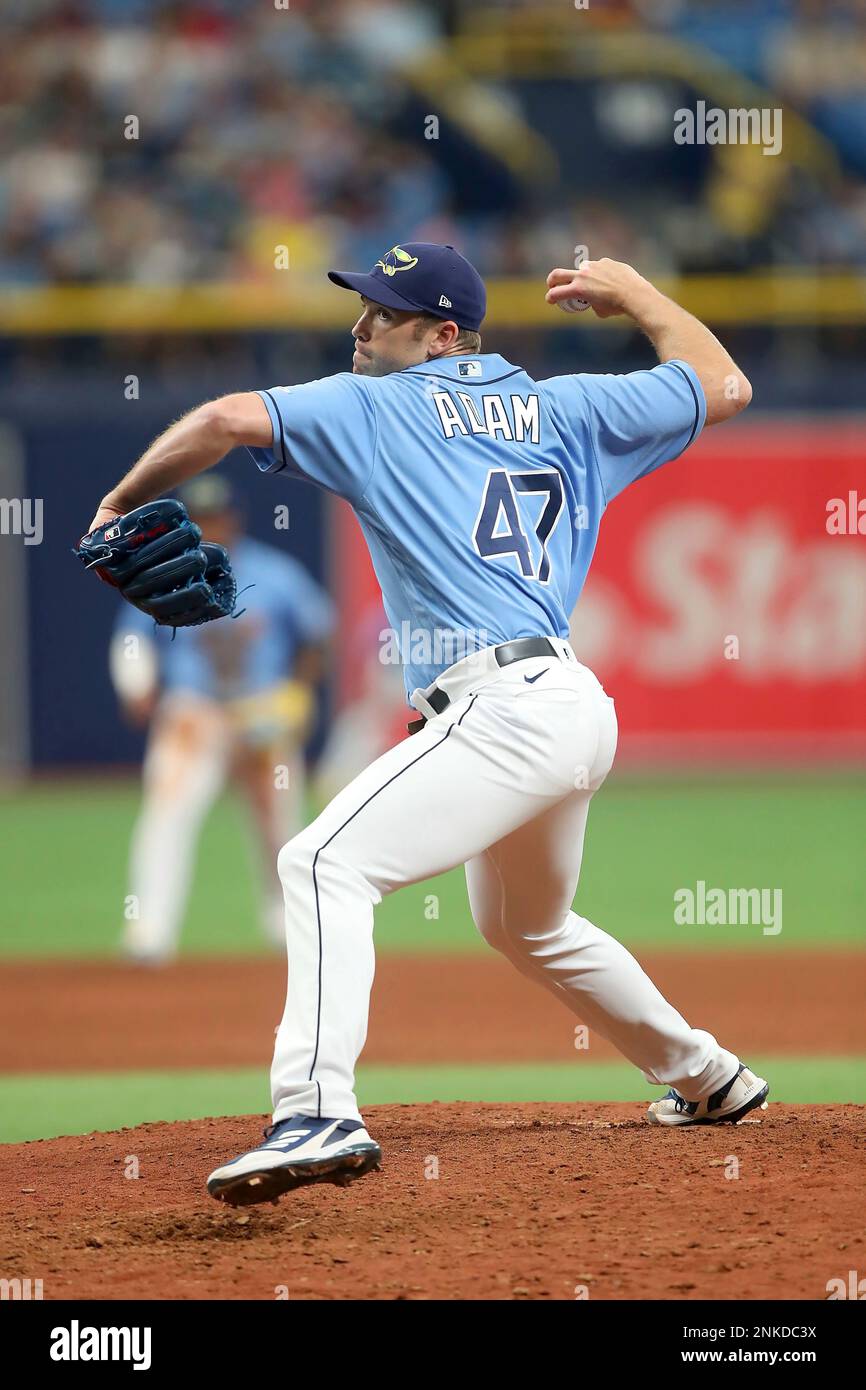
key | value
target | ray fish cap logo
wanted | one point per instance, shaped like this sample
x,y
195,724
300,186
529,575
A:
x,y
426,277
397,259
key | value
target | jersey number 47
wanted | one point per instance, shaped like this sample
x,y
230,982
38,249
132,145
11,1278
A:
x,y
499,529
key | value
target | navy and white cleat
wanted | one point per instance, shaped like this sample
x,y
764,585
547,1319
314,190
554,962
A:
x,y
744,1092
297,1151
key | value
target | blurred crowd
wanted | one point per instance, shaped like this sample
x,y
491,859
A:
x,y
152,143
157,143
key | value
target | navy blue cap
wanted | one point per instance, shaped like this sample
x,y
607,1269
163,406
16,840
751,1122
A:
x,y
425,276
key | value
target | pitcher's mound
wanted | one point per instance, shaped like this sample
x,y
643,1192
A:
x,y
473,1201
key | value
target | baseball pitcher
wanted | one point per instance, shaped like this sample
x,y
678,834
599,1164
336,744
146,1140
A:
x,y
480,493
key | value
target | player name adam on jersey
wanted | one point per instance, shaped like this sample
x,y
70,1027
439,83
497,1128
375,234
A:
x,y
517,418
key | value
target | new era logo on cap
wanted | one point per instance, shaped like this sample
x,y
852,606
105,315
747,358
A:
x,y
444,302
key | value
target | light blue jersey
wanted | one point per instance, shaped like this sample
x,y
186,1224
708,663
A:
x,y
479,490
284,608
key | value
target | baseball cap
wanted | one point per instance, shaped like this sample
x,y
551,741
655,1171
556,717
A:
x,y
425,276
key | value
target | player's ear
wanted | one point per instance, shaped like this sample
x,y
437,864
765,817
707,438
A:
x,y
447,333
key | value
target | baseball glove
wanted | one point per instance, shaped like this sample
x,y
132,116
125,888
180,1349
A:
x,y
156,557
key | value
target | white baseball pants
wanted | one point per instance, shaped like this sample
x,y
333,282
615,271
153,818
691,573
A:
x,y
501,781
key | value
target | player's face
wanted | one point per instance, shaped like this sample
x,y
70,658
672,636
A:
x,y
387,340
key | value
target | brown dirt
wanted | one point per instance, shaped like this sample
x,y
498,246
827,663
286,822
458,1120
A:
x,y
530,1202
82,1016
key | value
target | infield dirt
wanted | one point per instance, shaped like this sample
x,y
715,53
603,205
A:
x,y
473,1201
105,1016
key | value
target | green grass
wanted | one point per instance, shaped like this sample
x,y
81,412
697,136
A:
x,y
63,851
40,1107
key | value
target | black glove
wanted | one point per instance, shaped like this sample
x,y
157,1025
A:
x,y
156,557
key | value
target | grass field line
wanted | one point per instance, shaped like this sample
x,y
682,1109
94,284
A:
x,y
43,1106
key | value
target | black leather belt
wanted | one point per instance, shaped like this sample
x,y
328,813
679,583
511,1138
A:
x,y
506,653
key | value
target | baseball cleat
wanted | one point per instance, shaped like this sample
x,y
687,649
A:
x,y
744,1092
296,1151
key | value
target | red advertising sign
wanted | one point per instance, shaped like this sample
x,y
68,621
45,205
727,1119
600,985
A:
x,y
726,606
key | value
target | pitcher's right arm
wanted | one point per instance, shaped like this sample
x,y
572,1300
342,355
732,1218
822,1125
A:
x,y
611,287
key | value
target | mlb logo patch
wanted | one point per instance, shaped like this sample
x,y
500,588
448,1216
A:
x,y
469,368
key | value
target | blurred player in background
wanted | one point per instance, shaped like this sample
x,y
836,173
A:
x,y
225,700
